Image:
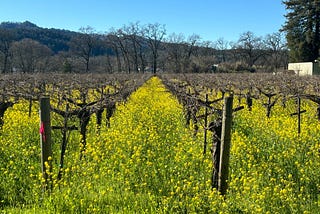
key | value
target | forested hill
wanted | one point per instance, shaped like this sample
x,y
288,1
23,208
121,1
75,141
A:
x,y
56,39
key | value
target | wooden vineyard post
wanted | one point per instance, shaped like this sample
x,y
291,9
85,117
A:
x,y
45,140
298,113
225,145
249,101
30,106
205,126
215,152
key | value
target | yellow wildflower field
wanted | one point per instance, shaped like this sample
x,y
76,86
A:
x,y
148,161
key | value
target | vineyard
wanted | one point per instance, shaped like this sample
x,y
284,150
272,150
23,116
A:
x,y
136,143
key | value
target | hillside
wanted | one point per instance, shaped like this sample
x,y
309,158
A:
x,y
56,39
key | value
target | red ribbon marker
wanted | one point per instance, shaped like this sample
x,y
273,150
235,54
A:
x,y
41,131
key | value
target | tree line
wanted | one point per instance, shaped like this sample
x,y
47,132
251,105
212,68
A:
x,y
302,29
136,47
141,48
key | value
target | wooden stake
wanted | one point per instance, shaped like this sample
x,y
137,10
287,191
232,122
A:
x,y
298,113
205,126
30,106
45,140
225,145
216,128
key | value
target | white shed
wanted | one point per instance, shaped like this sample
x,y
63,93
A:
x,y
305,68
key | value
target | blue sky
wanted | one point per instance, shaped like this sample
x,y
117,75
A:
x,y
211,19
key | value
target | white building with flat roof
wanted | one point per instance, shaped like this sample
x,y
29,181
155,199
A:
x,y
305,68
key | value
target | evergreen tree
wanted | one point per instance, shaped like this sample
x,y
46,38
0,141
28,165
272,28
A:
x,y
302,29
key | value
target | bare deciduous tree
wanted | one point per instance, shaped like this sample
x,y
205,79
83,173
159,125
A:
x,y
276,46
30,55
191,48
111,41
154,33
133,33
124,45
83,45
174,51
250,48
221,45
